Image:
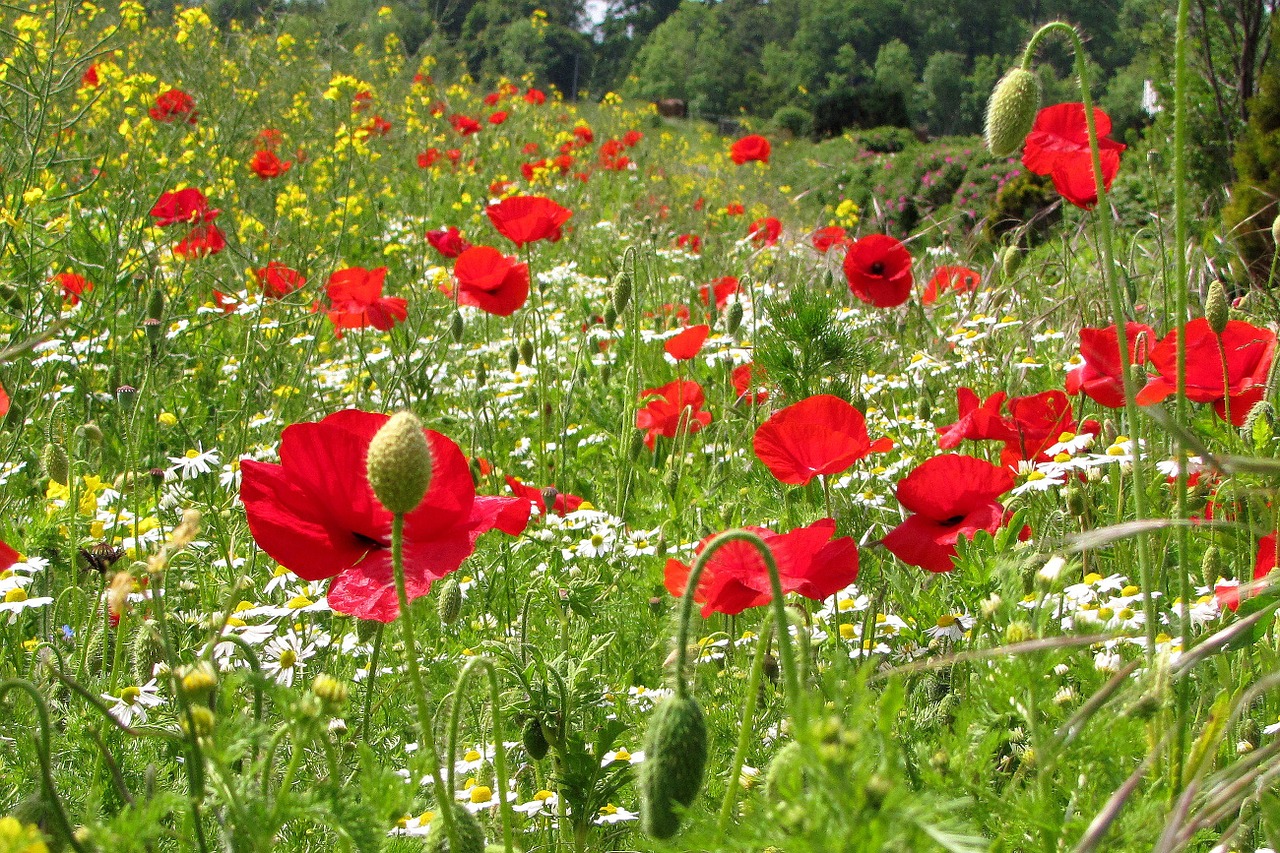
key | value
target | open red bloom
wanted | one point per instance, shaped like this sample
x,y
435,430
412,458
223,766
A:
x,y
537,497
1100,378
1058,145
951,496
719,289
677,408
204,239
1243,355
525,218
277,280
448,241
822,434
583,135
73,286
265,164
631,138
810,562
958,279
89,78
315,514
465,125
826,239
687,343
749,148
185,205
878,269
1034,423
535,97
734,208
691,242
356,300
491,281
173,105
427,158
498,117
742,378
766,230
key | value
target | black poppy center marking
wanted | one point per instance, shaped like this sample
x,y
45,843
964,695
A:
x,y
370,541
877,268
952,521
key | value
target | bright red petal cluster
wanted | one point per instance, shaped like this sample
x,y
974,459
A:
x,y
810,562
1034,423
315,514
1242,355
185,205
677,408
266,165
173,105
687,343
744,376
818,435
206,239
878,269
766,230
448,241
826,239
952,496
491,281
720,289
749,148
525,218
356,300
73,286
1058,145
1101,377
277,280
956,279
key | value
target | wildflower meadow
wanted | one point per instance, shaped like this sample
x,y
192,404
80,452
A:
x,y
395,460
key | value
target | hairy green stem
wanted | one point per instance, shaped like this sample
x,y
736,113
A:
x,y
745,732
499,754
368,684
42,753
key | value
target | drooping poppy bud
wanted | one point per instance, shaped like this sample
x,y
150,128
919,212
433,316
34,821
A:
x,y
1011,112
675,748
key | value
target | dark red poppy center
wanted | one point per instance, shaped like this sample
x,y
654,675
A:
x,y
370,541
877,268
952,521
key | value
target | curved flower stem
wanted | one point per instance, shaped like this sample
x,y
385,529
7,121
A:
x,y
254,664
42,753
368,684
789,671
745,732
444,799
1118,313
499,751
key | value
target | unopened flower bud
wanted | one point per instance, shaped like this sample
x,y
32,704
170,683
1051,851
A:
x,y
513,357
198,680
449,604
1010,260
399,463
621,296
57,465
733,317
1011,111
455,325
332,691
675,748
1216,308
526,352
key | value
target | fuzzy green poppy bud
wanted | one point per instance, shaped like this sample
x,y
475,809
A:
x,y
332,691
621,296
513,357
155,305
733,318
399,463
1211,565
449,604
57,465
455,325
482,375
610,316
535,739
1011,112
526,352
1076,504
1010,260
90,432
146,650
675,748
1216,308
470,835
1260,424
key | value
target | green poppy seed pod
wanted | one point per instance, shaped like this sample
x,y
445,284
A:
x,y
1211,565
733,318
610,316
621,296
155,305
467,828
57,465
549,496
1011,111
146,650
535,740
399,463
1217,310
482,375
675,749
513,357
455,325
449,604
1010,260
1109,432
526,352
332,691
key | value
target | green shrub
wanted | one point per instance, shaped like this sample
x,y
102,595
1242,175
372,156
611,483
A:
x,y
795,120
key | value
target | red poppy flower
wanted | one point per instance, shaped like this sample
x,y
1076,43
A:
x,y
265,164
766,230
720,289
951,496
186,205
1034,423
427,158
631,137
535,97
1058,145
742,378
809,561
734,208
205,239
1245,350
269,138
448,241
73,286
749,148
692,242
498,117
957,279
465,125
5,402
687,343
315,514
356,300
362,100
277,280
826,239
173,105
582,135
491,281
822,434
1100,378
878,269
8,556
1265,561
524,219
563,503
677,408
89,78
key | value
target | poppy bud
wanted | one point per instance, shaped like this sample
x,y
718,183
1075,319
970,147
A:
x,y
1216,308
526,352
513,357
535,739
671,480
733,318
1075,501
482,375
1211,565
675,748
610,316
90,432
784,778
146,650
1109,432
332,691
465,826
455,325
1010,260
1011,112
155,305
1260,424
621,296
449,604
57,465
399,463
